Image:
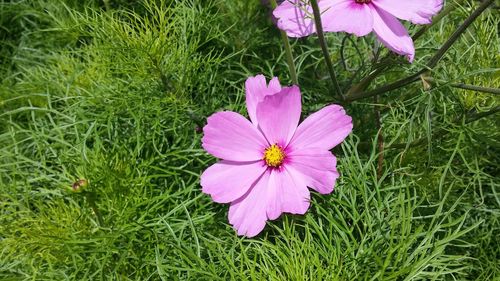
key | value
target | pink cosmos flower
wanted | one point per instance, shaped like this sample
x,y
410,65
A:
x,y
268,162
360,17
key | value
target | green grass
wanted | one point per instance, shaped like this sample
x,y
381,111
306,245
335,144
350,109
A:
x,y
118,97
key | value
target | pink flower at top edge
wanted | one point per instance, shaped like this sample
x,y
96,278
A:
x,y
268,164
360,17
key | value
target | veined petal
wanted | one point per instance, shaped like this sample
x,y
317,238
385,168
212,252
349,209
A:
x,y
286,193
316,167
227,181
248,213
295,17
323,129
278,115
256,89
392,33
230,136
348,16
418,12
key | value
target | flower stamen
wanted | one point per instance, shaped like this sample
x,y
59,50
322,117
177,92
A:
x,y
362,1
274,156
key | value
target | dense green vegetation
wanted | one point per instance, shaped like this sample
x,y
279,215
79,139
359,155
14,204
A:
x,y
116,92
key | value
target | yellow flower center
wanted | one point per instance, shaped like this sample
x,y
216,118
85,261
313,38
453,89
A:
x,y
274,156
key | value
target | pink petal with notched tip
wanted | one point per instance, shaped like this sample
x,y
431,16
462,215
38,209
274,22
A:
x,y
278,115
227,181
256,88
230,136
323,129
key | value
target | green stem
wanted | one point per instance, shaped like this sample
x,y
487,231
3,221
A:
x,y
324,48
475,88
451,7
91,200
474,116
383,64
106,5
432,62
467,118
495,91
288,51
289,58
454,37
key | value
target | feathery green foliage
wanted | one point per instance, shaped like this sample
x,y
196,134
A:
x,y
116,92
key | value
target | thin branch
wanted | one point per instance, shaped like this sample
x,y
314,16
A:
x,y
90,196
393,86
107,7
436,19
324,48
474,116
466,119
380,140
495,91
432,62
384,62
454,37
288,51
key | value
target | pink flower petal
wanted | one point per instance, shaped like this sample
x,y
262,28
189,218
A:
x,y
279,115
227,181
348,16
248,214
230,136
294,18
418,12
323,129
287,193
256,89
392,33
316,167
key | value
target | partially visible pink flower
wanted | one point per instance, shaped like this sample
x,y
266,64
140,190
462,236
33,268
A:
x,y
360,17
268,163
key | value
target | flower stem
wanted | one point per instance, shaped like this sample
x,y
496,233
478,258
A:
x,y
289,58
464,119
447,45
106,5
432,62
91,200
474,116
288,51
324,48
448,9
383,65
380,139
495,91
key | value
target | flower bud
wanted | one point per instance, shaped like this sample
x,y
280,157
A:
x,y
79,185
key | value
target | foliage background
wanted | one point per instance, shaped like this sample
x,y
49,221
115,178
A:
x,y
116,92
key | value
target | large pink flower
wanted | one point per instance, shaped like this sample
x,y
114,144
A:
x,y
360,17
268,163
